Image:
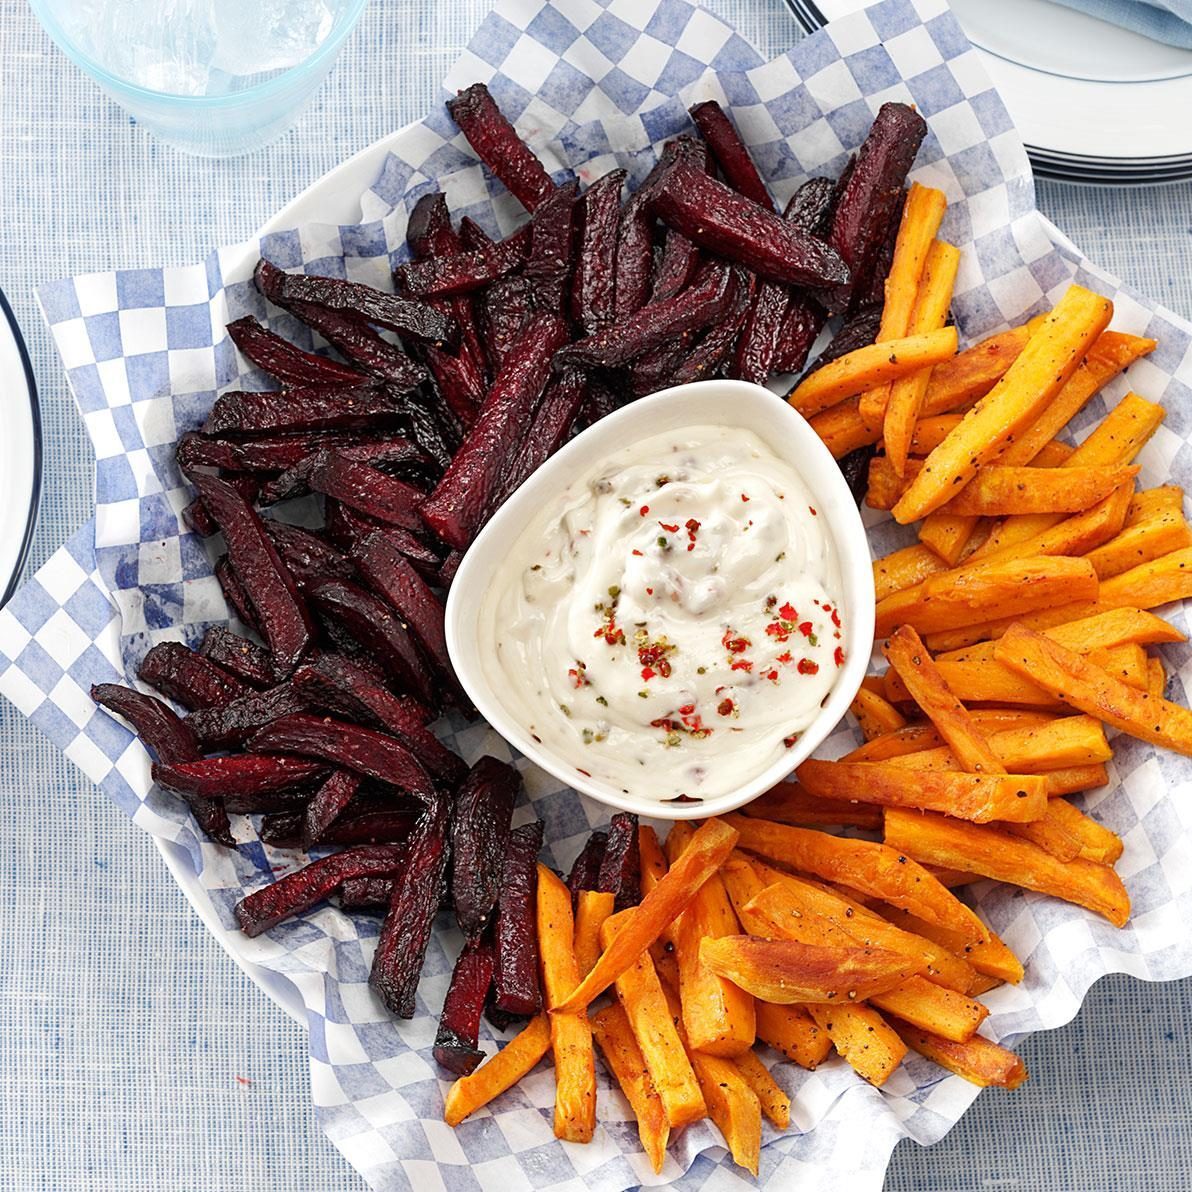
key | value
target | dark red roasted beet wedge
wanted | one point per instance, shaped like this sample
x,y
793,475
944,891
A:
x,y
366,894
300,890
187,677
285,622
456,507
159,727
246,660
761,338
504,314
350,746
636,230
235,594
371,622
367,489
872,294
337,684
266,453
561,404
362,345
498,146
461,382
271,802
281,359
857,331
386,452
676,266
701,304
729,152
801,325
242,774
730,225
516,983
593,294
195,516
413,320
309,557
329,803
716,344
585,871
480,841
390,573
283,829
405,933
855,468
868,198
459,1025
620,867
462,272
234,722
552,249
362,407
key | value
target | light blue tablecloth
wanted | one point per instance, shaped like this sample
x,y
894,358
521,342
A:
x,y
135,1054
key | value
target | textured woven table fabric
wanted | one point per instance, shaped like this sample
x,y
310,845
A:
x,y
160,1065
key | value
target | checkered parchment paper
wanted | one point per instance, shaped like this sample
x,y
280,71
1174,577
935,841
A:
x,y
592,84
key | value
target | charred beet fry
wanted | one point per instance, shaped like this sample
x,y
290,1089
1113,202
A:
x,y
676,266
730,225
593,294
480,841
308,556
362,345
552,249
585,872
872,294
867,200
283,829
285,622
801,325
234,593
401,948
366,894
242,774
855,467
300,890
157,725
461,382
505,313
389,573
705,359
371,623
329,803
195,516
516,983
456,507
548,432
281,359
459,1024
246,660
234,722
187,677
350,746
729,152
265,453
367,489
338,685
620,867
413,320
697,307
363,407
393,452
857,331
498,146
760,339
463,272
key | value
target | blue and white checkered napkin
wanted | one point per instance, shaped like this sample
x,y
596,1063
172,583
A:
x,y
591,85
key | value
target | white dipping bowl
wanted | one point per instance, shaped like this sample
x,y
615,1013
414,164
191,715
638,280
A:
x,y
703,403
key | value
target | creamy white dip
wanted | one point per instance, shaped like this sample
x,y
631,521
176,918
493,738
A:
x,y
669,623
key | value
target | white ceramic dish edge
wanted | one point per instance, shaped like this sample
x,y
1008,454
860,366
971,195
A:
x,y
703,403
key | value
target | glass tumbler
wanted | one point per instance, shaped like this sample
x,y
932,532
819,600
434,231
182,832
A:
x,y
209,111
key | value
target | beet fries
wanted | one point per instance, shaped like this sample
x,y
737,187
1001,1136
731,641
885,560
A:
x,y
430,407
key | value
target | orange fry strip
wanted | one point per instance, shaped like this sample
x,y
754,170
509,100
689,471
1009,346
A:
x,y
792,1031
499,1072
872,365
1019,798
874,714
592,907
931,310
904,569
623,1058
939,840
863,1039
776,1105
790,803
570,1034
658,909
788,972
1086,686
871,868
1050,357
980,1061
997,490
